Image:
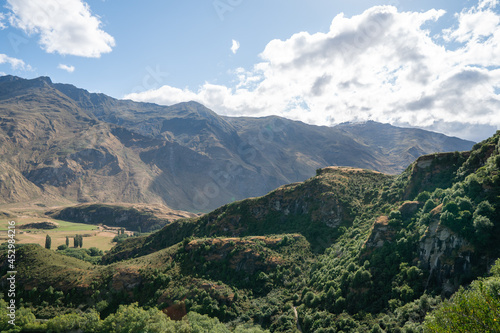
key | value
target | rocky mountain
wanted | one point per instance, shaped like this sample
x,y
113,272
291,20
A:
x,y
347,250
60,143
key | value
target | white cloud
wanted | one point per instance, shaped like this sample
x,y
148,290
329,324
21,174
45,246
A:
x,y
14,62
69,69
475,23
65,27
2,24
487,4
382,65
235,46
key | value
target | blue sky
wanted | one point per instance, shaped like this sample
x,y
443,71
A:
x,y
256,58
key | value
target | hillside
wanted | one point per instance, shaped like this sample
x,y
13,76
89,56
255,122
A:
x,y
136,217
63,144
348,250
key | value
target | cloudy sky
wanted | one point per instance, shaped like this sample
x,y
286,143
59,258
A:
x,y
428,64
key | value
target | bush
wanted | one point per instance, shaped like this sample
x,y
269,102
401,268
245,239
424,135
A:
x,y
423,196
429,205
472,310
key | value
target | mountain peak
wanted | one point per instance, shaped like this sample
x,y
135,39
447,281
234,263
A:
x,y
13,78
44,79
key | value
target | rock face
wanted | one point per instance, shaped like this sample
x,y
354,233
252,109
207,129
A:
x,y
381,233
429,172
446,255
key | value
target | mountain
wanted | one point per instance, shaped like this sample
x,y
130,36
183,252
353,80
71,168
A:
x,y
63,144
349,250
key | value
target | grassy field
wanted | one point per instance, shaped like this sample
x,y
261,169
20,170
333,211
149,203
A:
x,y
93,236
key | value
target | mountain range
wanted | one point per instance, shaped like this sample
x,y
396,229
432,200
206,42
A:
x,y
63,145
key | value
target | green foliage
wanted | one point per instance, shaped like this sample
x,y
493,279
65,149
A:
x,y
120,238
132,318
353,258
429,205
92,255
87,322
476,309
482,229
423,196
48,242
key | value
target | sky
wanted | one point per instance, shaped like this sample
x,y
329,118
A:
x,y
427,64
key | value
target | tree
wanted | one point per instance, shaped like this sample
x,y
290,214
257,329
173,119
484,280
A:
x,y
482,227
48,242
132,318
67,241
485,209
475,309
80,241
472,310
75,241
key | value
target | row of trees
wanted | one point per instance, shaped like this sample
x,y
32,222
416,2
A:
x,y
128,318
77,241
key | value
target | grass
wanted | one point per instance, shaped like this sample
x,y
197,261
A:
x,y
63,225
96,238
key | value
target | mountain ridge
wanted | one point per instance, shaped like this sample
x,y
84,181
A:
x,y
184,156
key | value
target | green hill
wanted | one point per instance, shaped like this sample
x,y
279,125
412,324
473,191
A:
x,y
348,250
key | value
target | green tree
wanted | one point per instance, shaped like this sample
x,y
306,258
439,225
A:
x,y
423,196
132,318
67,241
474,310
88,322
48,242
482,228
485,209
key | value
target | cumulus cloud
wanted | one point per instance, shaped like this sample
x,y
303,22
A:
x,y
235,46
381,65
69,69
14,62
65,27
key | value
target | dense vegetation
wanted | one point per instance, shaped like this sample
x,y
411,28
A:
x,y
346,251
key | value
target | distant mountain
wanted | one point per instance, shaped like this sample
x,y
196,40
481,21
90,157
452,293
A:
x,y
62,143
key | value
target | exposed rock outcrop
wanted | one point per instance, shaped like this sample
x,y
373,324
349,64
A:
x,y
446,255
